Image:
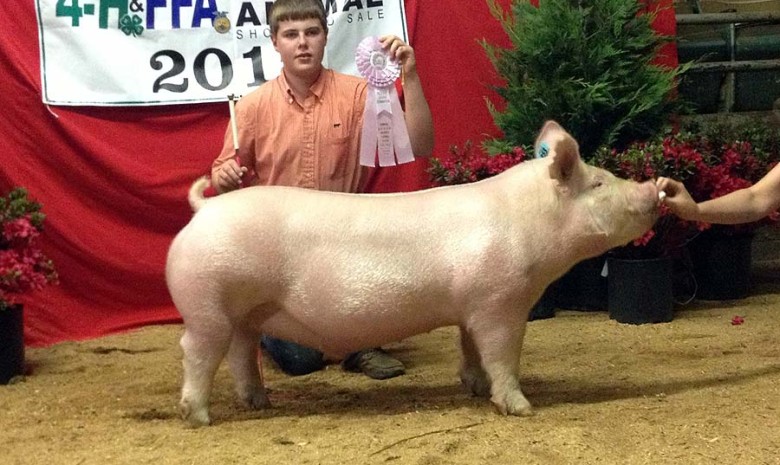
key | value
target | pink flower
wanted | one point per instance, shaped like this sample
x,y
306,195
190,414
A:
x,y
644,239
18,231
466,165
23,266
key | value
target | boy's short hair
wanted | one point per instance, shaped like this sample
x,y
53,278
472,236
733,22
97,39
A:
x,y
287,10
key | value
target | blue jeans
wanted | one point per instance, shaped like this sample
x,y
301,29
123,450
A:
x,y
294,359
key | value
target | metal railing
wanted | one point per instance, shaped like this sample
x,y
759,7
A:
x,y
732,66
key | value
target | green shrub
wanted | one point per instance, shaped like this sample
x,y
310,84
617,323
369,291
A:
x,y
588,65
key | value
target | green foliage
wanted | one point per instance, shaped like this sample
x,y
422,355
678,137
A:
x,y
763,136
17,205
587,64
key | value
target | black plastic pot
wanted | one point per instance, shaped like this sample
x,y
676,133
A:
x,y
583,287
722,265
640,291
11,343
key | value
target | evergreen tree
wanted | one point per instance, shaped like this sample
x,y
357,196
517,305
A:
x,y
587,64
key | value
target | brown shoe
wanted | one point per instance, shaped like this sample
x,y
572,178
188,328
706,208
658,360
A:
x,y
374,363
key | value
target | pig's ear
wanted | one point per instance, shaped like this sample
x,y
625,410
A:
x,y
560,146
546,135
565,155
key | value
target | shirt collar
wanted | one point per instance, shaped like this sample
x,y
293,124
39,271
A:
x,y
318,88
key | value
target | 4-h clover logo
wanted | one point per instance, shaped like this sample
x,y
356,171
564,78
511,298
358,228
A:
x,y
131,25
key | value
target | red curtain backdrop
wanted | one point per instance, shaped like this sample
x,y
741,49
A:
x,y
113,181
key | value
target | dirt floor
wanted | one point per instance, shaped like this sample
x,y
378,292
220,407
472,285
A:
x,y
698,390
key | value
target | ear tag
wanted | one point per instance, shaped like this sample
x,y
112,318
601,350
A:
x,y
544,149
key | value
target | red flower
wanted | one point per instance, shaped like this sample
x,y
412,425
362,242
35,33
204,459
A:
x,y
644,239
23,266
19,231
465,165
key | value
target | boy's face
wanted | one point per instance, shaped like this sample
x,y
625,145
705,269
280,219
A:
x,y
301,43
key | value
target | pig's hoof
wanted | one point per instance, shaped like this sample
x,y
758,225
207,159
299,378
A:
x,y
195,418
522,411
515,404
257,400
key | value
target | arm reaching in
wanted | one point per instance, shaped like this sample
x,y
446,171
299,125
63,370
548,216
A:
x,y
742,206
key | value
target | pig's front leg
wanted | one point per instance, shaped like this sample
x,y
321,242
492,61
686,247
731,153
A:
x,y
498,342
242,359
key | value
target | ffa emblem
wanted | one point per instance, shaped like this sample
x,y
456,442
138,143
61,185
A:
x,y
221,22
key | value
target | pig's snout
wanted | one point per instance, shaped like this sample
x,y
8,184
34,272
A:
x,y
647,198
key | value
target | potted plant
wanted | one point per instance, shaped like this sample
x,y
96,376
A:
x,y
711,160
734,155
640,275
23,269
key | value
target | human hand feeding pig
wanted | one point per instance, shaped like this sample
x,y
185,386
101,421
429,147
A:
x,y
341,272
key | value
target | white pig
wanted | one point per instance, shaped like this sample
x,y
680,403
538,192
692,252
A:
x,y
342,272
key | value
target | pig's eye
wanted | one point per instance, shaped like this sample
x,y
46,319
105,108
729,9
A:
x,y
597,183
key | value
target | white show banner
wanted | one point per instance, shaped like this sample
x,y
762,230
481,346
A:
x,y
160,52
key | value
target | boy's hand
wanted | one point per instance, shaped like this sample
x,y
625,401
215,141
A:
x,y
228,177
401,52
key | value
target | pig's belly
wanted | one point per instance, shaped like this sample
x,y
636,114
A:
x,y
339,333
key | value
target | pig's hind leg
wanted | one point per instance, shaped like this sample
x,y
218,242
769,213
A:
x,y
205,343
498,343
243,362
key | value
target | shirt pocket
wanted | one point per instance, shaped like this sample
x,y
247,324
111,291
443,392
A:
x,y
339,160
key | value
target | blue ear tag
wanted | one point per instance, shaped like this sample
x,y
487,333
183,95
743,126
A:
x,y
544,149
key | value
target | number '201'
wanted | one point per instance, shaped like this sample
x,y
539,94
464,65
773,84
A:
x,y
169,81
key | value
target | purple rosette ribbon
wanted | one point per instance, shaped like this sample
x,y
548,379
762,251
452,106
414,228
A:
x,y
384,127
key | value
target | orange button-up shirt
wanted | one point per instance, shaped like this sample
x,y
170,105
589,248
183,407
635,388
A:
x,y
314,143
